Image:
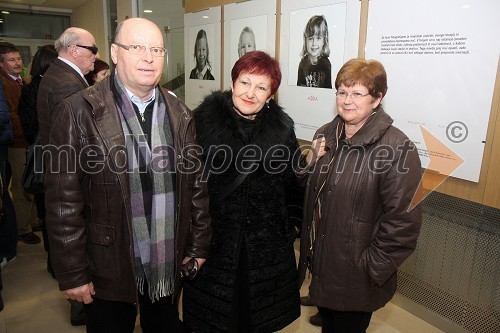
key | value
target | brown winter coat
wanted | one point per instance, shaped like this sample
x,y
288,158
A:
x,y
365,231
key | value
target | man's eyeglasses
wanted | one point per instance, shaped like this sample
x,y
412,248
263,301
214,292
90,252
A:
x,y
354,95
156,51
92,49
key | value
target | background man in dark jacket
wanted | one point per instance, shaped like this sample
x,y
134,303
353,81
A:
x,y
123,211
77,53
10,73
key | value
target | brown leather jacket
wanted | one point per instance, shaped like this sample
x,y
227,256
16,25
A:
x,y
365,185
59,81
88,202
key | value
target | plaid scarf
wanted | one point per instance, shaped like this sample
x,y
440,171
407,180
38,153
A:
x,y
153,207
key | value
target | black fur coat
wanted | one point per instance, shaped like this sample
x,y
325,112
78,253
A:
x,y
252,251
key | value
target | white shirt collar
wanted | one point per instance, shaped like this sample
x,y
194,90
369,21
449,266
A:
x,y
201,74
141,105
15,77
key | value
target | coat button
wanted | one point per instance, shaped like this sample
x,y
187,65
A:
x,y
106,239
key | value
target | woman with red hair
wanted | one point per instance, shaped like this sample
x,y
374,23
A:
x,y
249,280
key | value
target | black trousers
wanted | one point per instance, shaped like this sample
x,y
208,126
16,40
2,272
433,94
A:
x,y
344,321
161,316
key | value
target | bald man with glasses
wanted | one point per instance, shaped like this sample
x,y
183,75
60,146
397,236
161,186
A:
x,y
77,53
124,228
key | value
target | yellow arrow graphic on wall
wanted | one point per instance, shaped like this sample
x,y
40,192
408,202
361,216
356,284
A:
x,y
443,161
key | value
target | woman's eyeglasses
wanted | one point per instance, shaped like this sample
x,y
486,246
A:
x,y
354,95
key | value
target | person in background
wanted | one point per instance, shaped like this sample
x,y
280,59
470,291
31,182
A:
x,y
249,281
246,42
203,68
8,232
24,203
359,224
315,69
101,70
77,53
129,227
29,121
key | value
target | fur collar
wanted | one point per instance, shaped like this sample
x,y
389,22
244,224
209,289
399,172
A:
x,y
216,124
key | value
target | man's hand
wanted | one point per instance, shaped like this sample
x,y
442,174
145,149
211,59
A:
x,y
81,294
200,261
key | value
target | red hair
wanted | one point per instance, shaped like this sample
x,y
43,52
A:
x,y
258,63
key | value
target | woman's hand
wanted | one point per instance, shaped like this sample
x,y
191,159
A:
x,y
318,150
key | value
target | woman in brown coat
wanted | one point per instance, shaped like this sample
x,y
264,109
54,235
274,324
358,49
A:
x,y
358,228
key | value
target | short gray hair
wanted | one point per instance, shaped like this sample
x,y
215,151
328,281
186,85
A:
x,y
70,36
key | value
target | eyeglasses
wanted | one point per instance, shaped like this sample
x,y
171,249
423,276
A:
x,y
355,95
156,51
92,49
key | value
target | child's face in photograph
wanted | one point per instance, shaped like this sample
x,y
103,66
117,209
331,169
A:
x,y
201,53
315,45
247,44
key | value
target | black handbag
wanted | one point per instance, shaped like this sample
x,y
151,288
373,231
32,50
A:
x,y
32,180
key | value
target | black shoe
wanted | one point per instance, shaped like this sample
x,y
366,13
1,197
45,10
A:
x,y
316,320
1,302
306,301
29,238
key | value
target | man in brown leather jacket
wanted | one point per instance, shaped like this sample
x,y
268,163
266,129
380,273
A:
x,y
126,206
64,77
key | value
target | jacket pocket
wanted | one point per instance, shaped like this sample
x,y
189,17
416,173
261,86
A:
x,y
100,234
102,253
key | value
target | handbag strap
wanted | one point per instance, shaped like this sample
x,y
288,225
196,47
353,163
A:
x,y
232,187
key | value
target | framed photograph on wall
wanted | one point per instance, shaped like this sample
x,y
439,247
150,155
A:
x,y
317,38
202,44
248,26
201,38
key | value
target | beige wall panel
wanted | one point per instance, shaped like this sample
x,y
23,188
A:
x,y
125,8
492,186
90,16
